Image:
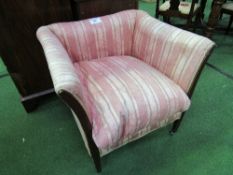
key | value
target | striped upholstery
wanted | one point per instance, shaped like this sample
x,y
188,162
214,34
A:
x,y
129,98
174,52
61,67
97,37
123,69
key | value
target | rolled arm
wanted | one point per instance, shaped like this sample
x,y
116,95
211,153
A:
x,y
177,53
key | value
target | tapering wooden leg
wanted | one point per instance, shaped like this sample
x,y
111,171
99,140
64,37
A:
x,y
176,124
96,157
80,113
97,164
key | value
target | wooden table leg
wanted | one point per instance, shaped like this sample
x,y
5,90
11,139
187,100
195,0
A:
x,y
213,17
203,6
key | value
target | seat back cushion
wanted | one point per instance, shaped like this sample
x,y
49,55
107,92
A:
x,y
97,37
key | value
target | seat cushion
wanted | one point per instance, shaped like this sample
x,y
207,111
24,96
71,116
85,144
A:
x,y
128,99
184,7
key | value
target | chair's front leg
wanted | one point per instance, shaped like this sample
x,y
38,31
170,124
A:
x,y
79,111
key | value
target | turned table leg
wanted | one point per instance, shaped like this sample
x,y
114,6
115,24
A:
x,y
213,17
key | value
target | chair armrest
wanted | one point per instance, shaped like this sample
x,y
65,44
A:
x,y
63,73
177,53
66,75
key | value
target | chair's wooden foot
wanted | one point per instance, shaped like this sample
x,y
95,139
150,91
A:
x,y
85,123
97,163
176,124
95,154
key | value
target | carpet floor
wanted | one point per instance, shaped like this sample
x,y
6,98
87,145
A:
x,y
47,140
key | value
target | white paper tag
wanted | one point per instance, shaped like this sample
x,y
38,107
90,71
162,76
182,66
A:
x,y
95,20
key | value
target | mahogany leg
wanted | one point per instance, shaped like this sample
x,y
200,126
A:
x,y
95,156
71,101
176,124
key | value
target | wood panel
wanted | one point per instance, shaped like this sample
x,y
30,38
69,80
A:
x,y
92,8
19,48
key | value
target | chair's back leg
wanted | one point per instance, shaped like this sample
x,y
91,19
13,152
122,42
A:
x,y
176,124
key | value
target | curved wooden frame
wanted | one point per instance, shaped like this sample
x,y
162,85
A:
x,y
71,102
177,123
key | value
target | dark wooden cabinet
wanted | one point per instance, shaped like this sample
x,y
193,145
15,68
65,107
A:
x,y
90,8
19,48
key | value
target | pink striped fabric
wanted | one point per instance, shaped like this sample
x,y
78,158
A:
x,y
129,98
98,37
175,52
61,67
126,69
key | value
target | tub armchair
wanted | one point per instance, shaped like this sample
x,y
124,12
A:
x,y
123,75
